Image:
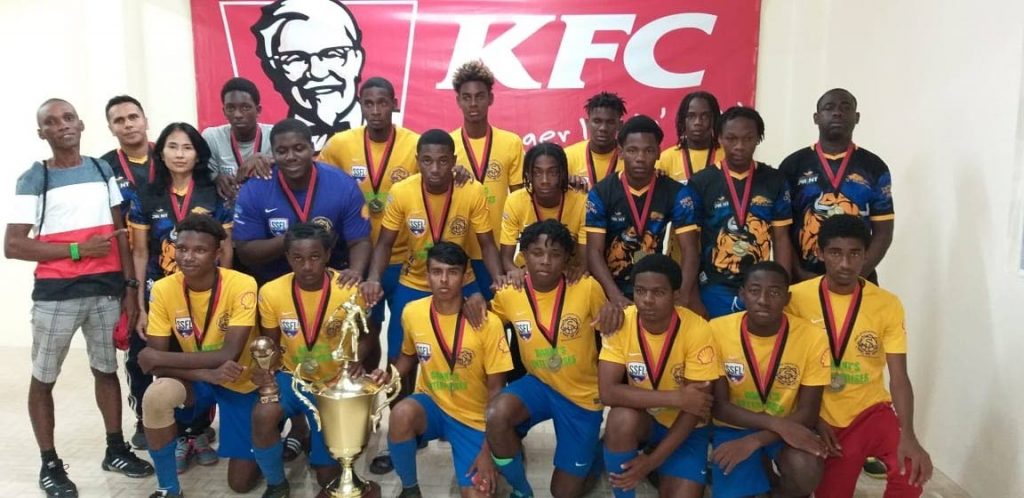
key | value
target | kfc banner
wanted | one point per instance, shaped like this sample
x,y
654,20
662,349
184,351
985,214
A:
x,y
308,57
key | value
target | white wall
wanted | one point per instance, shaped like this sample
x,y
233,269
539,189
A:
x,y
940,89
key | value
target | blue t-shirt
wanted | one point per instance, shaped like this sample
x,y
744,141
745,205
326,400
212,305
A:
x,y
263,211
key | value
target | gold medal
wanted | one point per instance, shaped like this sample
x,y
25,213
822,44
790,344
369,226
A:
x,y
554,362
376,205
309,369
837,383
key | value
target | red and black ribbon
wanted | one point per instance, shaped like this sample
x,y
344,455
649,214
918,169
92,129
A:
x,y
834,179
181,210
656,369
536,208
436,230
304,211
125,166
237,151
688,167
592,171
479,167
839,337
374,171
763,383
451,355
639,217
739,205
211,307
310,334
550,330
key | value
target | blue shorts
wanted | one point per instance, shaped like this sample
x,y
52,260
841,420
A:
x,y
235,410
721,300
483,278
292,406
749,477
689,461
389,280
465,440
402,296
577,430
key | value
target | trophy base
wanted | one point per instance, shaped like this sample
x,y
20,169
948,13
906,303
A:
x,y
370,490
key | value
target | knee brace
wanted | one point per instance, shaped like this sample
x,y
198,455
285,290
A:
x,y
159,402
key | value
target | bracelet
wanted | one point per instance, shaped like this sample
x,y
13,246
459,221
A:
x,y
73,249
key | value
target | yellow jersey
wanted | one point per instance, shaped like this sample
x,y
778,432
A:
x,y
322,316
199,321
406,212
347,150
581,160
802,360
877,330
454,359
521,212
564,356
661,362
503,158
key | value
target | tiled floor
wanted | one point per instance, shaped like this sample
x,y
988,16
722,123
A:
x,y
80,442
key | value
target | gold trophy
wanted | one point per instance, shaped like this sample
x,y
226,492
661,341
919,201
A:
x,y
348,409
266,354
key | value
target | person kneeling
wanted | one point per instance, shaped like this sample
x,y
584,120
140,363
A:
x,y
211,313
768,397
648,412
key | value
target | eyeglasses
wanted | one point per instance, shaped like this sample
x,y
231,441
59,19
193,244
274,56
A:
x,y
300,61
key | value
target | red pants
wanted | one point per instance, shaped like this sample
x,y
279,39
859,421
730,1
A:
x,y
874,433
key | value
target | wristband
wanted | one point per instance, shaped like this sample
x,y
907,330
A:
x,y
73,249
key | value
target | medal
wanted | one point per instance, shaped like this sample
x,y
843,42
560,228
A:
x,y
307,206
376,171
658,368
688,167
181,210
436,230
763,383
309,368
739,205
311,330
838,336
550,329
237,151
834,179
837,383
451,355
592,171
479,167
639,217
200,333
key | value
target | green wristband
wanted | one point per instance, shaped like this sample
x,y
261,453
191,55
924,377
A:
x,y
73,249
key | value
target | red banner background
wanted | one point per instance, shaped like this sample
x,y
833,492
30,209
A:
x,y
548,57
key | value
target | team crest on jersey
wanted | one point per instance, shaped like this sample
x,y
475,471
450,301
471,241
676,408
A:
x,y
788,375
465,358
399,174
222,323
458,226
359,172
183,326
677,374
277,226
524,328
290,326
493,171
333,328
418,226
423,352
570,326
734,371
637,371
867,343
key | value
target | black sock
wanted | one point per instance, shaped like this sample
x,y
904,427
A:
x,y
48,456
115,440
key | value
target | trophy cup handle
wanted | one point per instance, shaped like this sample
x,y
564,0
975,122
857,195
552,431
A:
x,y
299,385
391,391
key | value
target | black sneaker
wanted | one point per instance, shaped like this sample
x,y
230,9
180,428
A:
x,y
53,479
139,438
124,461
875,469
163,493
280,490
413,492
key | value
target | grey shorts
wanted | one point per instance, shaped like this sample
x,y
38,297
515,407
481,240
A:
x,y
54,324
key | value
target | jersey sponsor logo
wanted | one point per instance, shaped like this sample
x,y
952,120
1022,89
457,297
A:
x,y
423,352
722,203
706,355
277,226
524,328
183,326
788,375
637,371
290,326
418,226
868,343
359,172
734,371
158,214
